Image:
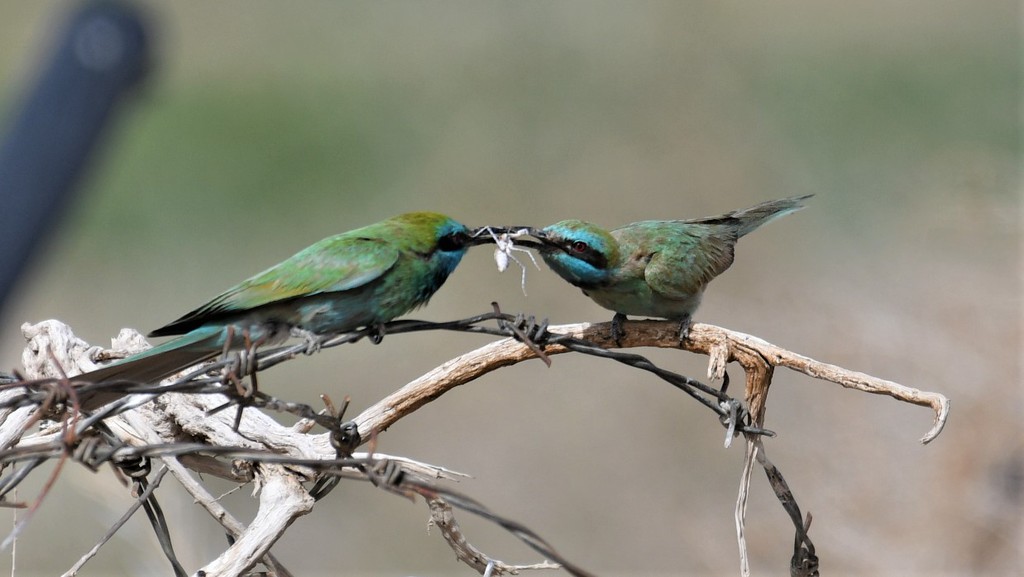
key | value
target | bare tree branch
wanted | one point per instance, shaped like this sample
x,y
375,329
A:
x,y
442,517
189,429
720,344
282,500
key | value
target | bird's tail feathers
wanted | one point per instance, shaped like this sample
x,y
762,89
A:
x,y
153,365
749,219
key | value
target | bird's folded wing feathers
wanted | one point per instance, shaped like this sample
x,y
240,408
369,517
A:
x,y
685,264
332,265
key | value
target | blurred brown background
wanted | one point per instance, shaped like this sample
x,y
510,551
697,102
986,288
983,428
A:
x,y
268,126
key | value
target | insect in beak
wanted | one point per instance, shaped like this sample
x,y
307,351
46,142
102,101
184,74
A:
x,y
505,239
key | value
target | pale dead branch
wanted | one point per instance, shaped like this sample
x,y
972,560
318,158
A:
x,y
171,419
752,353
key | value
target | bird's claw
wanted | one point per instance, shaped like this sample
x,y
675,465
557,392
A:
x,y
617,330
243,363
684,329
314,342
377,332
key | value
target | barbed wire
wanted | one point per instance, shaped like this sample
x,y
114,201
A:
x,y
77,420
220,376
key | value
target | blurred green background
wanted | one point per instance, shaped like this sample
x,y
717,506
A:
x,y
267,126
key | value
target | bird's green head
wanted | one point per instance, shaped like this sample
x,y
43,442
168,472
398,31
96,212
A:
x,y
438,238
580,252
428,232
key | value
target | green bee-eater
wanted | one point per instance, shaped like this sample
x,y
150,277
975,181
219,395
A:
x,y
361,278
653,268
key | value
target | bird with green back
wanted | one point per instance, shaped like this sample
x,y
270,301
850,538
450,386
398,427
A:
x,y
652,268
361,278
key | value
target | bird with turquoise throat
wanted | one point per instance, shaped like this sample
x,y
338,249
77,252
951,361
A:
x,y
361,278
652,268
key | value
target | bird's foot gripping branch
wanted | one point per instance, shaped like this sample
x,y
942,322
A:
x,y
187,434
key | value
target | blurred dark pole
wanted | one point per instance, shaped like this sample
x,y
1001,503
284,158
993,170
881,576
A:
x,y
97,57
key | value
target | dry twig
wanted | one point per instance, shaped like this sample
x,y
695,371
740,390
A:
x,y
281,458
757,357
442,517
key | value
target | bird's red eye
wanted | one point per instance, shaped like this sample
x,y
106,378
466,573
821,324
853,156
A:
x,y
578,246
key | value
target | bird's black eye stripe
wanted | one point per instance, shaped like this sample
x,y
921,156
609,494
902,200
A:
x,y
583,251
453,241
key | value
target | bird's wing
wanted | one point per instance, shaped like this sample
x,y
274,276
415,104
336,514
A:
x,y
339,265
687,259
334,264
